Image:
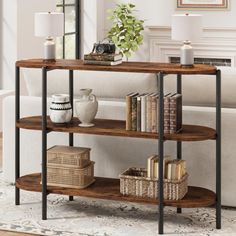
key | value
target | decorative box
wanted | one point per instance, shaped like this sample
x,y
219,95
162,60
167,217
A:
x,y
135,182
71,177
69,167
77,157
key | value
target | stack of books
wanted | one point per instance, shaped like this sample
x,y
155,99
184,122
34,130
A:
x,y
142,112
176,169
172,169
153,166
103,59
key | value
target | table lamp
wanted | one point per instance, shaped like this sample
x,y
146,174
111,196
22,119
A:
x,y
186,27
49,25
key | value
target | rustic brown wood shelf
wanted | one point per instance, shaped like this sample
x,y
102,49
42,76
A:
x,y
106,188
138,67
117,128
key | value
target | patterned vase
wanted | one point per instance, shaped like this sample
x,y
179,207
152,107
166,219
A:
x,y
60,109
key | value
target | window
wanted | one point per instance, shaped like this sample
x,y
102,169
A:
x,y
68,46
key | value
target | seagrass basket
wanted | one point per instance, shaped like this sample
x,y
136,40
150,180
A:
x,y
67,156
72,177
134,182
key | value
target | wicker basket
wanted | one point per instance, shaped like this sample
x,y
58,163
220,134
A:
x,y
68,156
70,177
135,182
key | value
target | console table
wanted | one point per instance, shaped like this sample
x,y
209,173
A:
x,y
108,188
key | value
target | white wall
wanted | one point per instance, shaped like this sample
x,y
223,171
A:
x,y
158,13
18,39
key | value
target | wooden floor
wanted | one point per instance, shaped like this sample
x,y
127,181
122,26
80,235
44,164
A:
x,y
7,233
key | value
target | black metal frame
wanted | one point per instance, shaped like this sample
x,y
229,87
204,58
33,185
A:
x,y
77,33
160,78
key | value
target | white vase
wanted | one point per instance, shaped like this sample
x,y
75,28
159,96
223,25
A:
x,y
60,109
86,107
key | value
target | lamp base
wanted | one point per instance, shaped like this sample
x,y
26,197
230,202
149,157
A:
x,y
49,50
187,58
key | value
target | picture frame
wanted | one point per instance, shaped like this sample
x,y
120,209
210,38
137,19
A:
x,y
203,5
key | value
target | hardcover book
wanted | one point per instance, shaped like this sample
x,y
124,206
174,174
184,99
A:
x,y
149,113
134,113
143,112
129,110
139,113
102,57
175,113
167,113
155,110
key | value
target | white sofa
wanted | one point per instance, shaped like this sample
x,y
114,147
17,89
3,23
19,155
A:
x,y
114,154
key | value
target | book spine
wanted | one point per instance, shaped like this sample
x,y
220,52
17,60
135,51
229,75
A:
x,y
138,114
128,112
143,114
149,115
154,114
175,114
134,114
166,115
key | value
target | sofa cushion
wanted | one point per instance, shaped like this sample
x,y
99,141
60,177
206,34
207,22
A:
x,y
199,90
104,84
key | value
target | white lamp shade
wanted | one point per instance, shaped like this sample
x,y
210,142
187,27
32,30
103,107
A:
x,y
186,27
49,24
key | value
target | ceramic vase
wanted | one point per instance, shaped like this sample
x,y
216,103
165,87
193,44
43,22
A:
x,y
60,109
86,107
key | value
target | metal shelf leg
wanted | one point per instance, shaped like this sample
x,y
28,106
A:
x,y
17,134
161,151
179,143
44,143
71,91
218,149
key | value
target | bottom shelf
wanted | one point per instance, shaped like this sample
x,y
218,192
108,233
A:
x,y
107,188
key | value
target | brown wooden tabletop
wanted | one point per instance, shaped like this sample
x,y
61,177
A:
x,y
138,67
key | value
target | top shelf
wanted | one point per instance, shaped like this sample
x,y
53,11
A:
x,y
137,67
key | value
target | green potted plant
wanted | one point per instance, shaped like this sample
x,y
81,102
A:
x,y
126,29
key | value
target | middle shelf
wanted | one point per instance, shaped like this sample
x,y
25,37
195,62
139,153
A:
x,y
117,128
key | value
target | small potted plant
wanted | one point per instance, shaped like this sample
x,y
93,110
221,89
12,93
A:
x,y
126,29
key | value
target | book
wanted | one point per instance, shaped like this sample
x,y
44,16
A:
x,y
153,166
167,113
129,110
103,57
143,112
175,113
150,166
134,113
149,113
103,63
156,169
176,169
155,110
139,113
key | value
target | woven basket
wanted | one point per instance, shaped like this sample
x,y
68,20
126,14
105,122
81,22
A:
x,y
70,177
68,156
135,182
